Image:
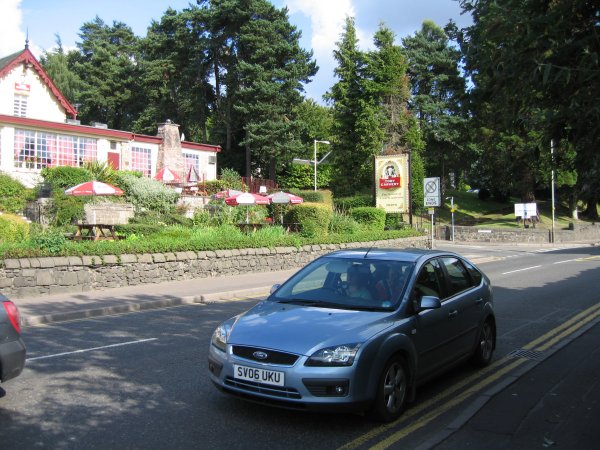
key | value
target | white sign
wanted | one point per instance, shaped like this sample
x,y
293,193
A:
x,y
431,191
526,210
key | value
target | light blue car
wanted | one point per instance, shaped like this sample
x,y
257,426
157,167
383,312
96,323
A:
x,y
357,330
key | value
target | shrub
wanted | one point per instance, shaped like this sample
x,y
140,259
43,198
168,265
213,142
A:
x,y
371,218
343,224
393,221
356,201
13,195
66,209
102,171
214,186
51,241
313,218
64,177
231,179
13,229
148,194
311,196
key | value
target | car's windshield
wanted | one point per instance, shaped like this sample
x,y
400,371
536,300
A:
x,y
362,284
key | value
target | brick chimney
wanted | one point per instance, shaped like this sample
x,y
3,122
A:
x,y
169,151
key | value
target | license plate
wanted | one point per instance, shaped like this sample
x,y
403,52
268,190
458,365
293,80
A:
x,y
273,377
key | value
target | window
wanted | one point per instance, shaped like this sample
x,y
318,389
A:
x,y
212,159
428,282
458,277
20,103
36,150
475,274
192,160
141,160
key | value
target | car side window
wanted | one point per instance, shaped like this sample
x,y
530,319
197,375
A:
x,y
457,276
428,282
474,273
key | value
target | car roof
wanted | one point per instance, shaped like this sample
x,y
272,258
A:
x,y
391,254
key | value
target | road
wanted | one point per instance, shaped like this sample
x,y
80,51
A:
x,y
140,380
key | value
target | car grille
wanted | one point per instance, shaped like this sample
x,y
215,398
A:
x,y
273,357
251,386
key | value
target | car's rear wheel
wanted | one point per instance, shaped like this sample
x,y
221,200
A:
x,y
391,391
485,345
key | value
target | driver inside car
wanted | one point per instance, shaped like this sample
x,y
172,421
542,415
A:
x,y
358,284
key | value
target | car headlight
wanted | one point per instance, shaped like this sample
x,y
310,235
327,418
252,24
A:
x,y
219,337
339,355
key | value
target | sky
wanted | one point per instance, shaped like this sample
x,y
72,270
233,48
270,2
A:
x,y
320,21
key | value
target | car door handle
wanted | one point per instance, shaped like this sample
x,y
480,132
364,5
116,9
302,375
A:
x,y
479,301
452,314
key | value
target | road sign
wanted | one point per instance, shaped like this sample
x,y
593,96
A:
x,y
431,189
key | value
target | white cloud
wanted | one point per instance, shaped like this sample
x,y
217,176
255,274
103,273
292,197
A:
x,y
327,21
12,39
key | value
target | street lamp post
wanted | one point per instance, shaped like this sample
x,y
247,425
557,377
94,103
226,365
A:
x,y
452,212
315,158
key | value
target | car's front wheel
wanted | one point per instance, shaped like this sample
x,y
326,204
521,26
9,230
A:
x,y
391,391
485,345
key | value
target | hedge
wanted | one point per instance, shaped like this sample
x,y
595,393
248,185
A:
x,y
314,218
13,229
371,218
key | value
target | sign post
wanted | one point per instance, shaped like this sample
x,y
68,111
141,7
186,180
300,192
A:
x,y
432,198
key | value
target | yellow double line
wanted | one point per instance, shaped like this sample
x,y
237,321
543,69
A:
x,y
463,390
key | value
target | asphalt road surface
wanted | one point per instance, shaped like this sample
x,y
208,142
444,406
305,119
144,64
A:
x,y
140,380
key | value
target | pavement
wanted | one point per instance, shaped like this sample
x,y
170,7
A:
x,y
46,309
552,402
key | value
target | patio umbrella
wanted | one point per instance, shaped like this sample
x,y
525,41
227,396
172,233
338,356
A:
x,y
284,198
94,188
226,193
246,198
166,175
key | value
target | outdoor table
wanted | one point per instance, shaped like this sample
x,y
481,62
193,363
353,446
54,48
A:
x,y
94,232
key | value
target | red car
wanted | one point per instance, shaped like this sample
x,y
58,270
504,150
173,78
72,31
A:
x,y
12,348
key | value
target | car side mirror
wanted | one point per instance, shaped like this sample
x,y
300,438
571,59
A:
x,y
274,288
429,302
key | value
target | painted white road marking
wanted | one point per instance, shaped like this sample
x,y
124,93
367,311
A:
x,y
91,349
521,270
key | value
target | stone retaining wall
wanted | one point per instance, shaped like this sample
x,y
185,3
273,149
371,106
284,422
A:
x,y
577,232
27,277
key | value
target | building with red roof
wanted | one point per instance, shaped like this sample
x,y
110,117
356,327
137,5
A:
x,y
39,128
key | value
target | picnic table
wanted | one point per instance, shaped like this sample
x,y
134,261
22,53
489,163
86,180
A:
x,y
95,232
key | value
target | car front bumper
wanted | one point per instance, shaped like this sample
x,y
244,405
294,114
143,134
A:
x,y
332,389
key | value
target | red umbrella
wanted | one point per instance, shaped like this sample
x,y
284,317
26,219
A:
x,y
246,198
166,175
285,197
226,193
94,188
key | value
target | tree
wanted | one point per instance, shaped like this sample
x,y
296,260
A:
x,y
176,71
438,93
535,67
56,64
358,130
314,122
387,81
258,69
106,64
272,68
